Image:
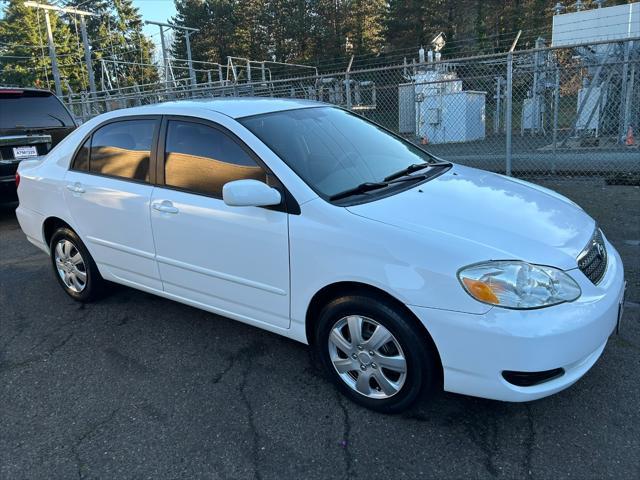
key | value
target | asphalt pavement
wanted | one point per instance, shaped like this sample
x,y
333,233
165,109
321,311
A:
x,y
136,386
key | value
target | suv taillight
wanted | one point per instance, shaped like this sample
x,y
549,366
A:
x,y
17,179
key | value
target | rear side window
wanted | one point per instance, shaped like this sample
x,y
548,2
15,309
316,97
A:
x,y
202,159
81,161
123,149
30,109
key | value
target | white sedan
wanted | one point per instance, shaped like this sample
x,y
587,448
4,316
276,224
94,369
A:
x,y
404,272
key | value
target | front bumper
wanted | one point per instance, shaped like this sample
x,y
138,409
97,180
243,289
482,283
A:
x,y
476,349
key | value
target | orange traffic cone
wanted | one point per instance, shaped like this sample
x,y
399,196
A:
x,y
630,141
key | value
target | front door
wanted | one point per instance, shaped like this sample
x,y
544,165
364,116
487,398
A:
x,y
108,192
234,260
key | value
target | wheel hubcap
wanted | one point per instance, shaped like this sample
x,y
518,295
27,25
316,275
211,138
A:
x,y
367,357
70,266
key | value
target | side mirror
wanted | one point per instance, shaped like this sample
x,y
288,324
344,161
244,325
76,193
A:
x,y
250,193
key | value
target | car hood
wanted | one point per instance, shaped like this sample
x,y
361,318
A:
x,y
495,216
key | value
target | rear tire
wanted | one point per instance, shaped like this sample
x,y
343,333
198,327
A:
x,y
74,267
374,354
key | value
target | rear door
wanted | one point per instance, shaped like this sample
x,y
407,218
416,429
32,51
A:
x,y
234,260
108,192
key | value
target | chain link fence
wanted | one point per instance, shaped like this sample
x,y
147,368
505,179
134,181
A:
x,y
570,111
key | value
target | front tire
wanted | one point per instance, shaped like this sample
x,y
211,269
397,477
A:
x,y
374,353
74,267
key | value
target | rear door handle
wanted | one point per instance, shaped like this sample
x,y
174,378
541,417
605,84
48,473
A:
x,y
76,187
164,206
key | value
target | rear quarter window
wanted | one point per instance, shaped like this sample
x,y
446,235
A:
x,y
81,160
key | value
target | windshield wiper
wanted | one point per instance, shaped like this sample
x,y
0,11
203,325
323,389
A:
x,y
414,168
58,119
362,188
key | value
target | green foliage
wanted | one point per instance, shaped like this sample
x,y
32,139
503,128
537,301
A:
x,y
24,59
114,35
325,31
321,32
287,30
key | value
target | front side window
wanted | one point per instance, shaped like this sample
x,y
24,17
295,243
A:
x,y
123,149
201,159
333,150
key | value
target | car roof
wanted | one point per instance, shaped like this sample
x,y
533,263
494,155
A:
x,y
233,107
4,88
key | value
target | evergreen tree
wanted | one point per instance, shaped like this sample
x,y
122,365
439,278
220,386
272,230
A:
x,y
24,50
216,20
365,26
117,42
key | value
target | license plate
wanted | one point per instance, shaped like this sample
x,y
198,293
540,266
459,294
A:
x,y
621,308
25,152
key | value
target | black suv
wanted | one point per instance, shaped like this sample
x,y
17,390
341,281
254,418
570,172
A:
x,y
32,122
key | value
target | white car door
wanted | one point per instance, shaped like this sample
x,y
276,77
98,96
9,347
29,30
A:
x,y
108,193
233,260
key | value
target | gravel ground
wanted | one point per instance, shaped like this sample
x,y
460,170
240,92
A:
x,y
136,386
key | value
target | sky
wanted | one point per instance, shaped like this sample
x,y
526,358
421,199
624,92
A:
x,y
156,10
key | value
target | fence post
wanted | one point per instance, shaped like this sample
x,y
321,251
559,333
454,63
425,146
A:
x,y
509,99
347,81
508,111
556,105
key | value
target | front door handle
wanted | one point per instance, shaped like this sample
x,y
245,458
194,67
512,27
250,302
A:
x,y
164,206
76,187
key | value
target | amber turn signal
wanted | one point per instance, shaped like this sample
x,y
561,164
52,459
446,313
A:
x,y
481,291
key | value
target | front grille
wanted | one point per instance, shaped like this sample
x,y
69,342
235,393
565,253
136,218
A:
x,y
593,259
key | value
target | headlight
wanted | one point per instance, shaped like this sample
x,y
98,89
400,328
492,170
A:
x,y
520,285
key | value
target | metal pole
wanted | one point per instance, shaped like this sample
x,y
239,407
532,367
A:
x,y
627,109
52,48
52,54
622,127
556,102
507,113
348,83
509,106
496,118
165,60
87,57
192,74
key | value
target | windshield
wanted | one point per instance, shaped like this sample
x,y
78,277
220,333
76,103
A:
x,y
24,109
333,150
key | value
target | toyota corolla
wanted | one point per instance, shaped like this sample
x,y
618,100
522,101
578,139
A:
x,y
404,272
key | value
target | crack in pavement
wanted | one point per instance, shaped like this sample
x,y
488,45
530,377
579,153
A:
x,y
484,434
8,366
348,459
92,429
255,436
232,358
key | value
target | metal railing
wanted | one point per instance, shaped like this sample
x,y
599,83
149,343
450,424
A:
x,y
553,111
